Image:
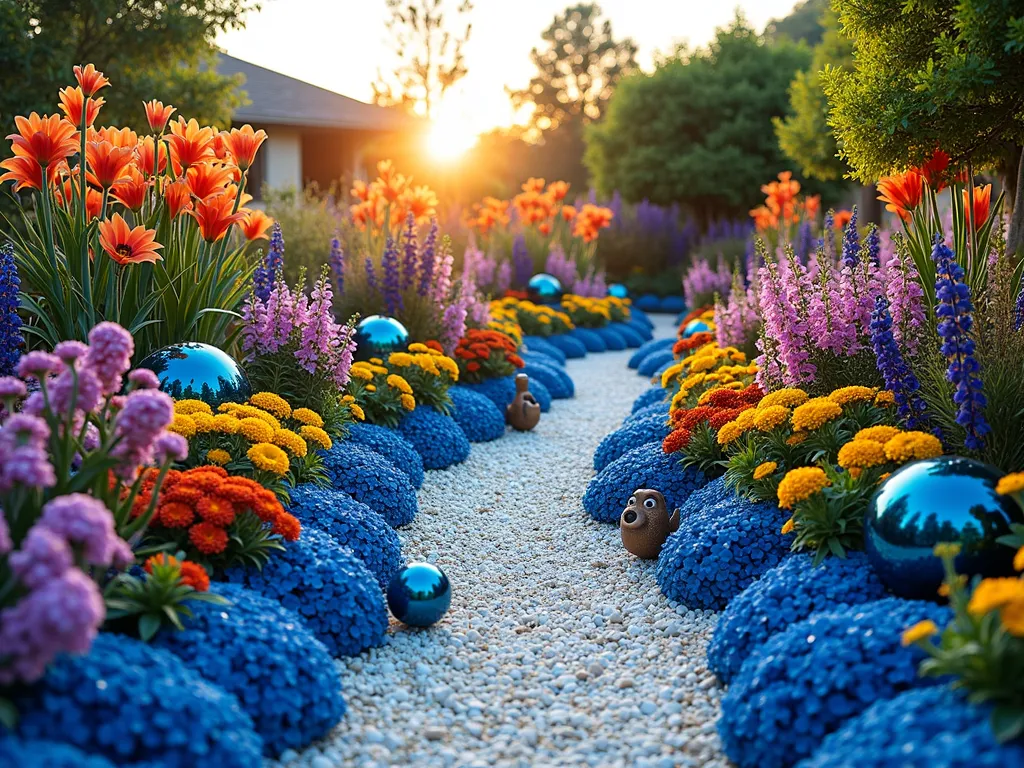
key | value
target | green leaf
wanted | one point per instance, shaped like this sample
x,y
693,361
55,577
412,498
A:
x,y
149,625
1007,723
8,714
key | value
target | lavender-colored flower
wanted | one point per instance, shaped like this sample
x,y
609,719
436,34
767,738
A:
x,y
560,266
784,295
11,387
503,280
954,310
143,378
44,555
426,259
392,286
24,460
319,336
144,417
345,354
410,255
75,389
701,282
906,298
169,447
737,318
443,276
110,353
804,244
453,323
851,241
70,351
522,264
371,275
896,374
273,262
11,339
85,521
336,261
39,365
5,535
91,438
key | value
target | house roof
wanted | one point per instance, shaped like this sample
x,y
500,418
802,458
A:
x,y
281,100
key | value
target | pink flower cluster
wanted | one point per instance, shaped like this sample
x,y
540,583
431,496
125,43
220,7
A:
x,y
488,274
701,282
737,318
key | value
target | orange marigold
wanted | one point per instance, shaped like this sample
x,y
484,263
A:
x,y
195,576
287,526
216,509
208,538
175,514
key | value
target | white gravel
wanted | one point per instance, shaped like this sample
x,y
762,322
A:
x,y
559,649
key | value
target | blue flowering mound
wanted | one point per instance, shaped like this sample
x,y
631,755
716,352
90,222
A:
x,y
655,362
933,727
807,680
15,753
788,593
542,345
368,477
645,349
656,409
542,394
479,418
665,366
591,339
351,524
648,302
654,395
628,437
643,467
557,381
569,344
640,317
613,340
391,445
645,332
720,550
438,440
542,358
133,703
263,654
629,334
673,304
501,391
328,587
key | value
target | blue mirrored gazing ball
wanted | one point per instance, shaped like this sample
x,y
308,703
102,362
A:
x,y
419,595
199,371
544,289
618,291
945,499
695,326
379,336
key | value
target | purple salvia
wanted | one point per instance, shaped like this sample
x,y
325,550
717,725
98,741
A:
x,y
503,280
427,256
371,275
410,263
336,261
522,264
392,289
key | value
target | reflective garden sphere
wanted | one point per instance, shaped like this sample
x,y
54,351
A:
x,y
379,336
695,326
419,595
544,289
199,371
945,499
618,291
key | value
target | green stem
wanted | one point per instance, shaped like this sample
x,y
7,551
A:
x,y
85,275
48,223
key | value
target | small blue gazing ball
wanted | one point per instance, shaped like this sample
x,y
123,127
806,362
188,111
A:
x,y
379,336
618,291
199,371
419,595
695,326
544,289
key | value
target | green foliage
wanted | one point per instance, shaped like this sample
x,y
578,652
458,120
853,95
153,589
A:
x,y
803,24
699,129
308,222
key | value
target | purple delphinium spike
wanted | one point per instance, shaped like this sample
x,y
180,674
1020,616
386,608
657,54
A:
x,y
1018,311
851,241
11,340
392,289
522,264
410,261
371,275
873,244
428,254
273,260
896,374
336,261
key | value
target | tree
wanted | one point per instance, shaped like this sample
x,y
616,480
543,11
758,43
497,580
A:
x,y
699,129
927,75
430,55
148,48
803,24
578,71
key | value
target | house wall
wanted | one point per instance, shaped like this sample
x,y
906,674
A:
x,y
282,156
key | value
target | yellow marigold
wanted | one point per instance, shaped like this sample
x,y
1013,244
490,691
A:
x,y
693,380
814,413
764,469
735,386
746,419
314,434
348,399
789,397
702,363
426,363
357,412
418,347
251,412
189,407
183,425
400,359
880,434
767,419
991,594
371,387
1012,616
1012,483
268,457
397,382
447,365
854,394
730,431
379,369
861,454
408,402
218,456
226,423
670,373
311,417
788,527
364,374
255,430
1018,560
801,483
796,438
855,472
376,361
908,446
920,631
291,442
204,421
276,404
885,398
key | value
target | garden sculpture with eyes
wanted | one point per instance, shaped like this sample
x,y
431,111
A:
x,y
646,523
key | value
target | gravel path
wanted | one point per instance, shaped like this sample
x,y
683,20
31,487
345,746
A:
x,y
559,649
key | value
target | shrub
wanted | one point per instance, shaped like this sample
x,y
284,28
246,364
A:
x,y
17,753
612,338
391,445
572,347
655,409
558,383
652,396
438,440
368,477
591,340
543,359
501,392
657,360
629,333
309,221
478,417
544,346
630,436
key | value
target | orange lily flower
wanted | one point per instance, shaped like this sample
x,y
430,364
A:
x,y
126,245
934,170
902,193
190,144
177,197
841,218
255,224
568,213
421,202
982,204
26,173
157,115
207,179
119,137
214,216
243,143
558,190
812,204
360,191
131,190
545,228
106,163
65,195
47,139
90,79
73,102
533,184
144,155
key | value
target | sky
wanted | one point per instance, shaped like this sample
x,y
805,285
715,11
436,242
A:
x,y
340,44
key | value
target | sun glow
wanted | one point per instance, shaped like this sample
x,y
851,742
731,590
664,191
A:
x,y
450,136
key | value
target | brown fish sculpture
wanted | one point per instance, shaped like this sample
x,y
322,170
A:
x,y
646,523
523,412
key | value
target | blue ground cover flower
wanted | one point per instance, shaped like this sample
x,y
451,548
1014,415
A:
x,y
438,440
478,417
392,446
628,437
368,477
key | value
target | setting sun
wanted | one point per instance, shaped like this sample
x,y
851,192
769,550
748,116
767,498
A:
x,y
450,137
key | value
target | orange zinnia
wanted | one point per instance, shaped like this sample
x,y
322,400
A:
x,y
25,172
128,246
106,163
130,191
178,198
90,79
255,224
568,212
214,216
47,139
119,137
558,190
902,193
243,143
190,144
982,204
144,152
157,115
73,102
207,179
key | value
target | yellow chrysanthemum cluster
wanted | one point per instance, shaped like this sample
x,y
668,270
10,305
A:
x,y
801,483
189,407
527,312
880,434
308,416
353,407
291,442
1010,484
397,382
767,419
183,425
269,458
853,394
316,435
275,404
861,454
245,411
908,446
585,310
814,413
790,397
218,456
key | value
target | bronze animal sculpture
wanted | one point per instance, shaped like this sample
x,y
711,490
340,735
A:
x,y
523,412
646,523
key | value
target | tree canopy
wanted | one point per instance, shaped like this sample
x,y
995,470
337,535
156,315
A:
x,y
803,24
699,129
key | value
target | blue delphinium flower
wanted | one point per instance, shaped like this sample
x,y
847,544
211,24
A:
x,y
896,374
873,244
392,289
11,339
851,241
336,260
954,308
522,264
427,258
273,260
828,238
371,275
1018,311
410,258
804,242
